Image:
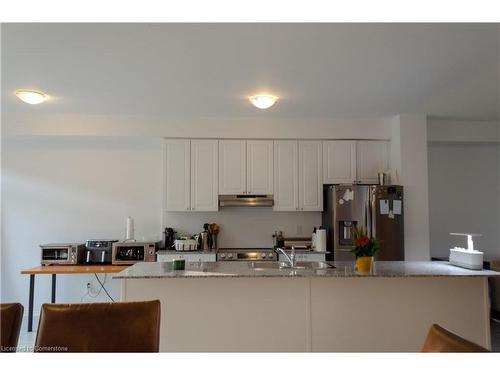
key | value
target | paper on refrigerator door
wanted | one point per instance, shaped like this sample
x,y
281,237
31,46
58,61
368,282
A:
x,y
396,207
384,207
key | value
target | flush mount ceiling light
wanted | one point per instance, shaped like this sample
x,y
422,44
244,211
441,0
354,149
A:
x,y
263,101
31,96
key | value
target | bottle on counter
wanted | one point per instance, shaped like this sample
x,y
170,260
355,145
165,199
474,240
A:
x,y
280,240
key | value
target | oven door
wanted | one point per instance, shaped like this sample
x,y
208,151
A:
x,y
57,255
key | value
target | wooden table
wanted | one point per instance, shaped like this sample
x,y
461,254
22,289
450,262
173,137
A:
x,y
61,270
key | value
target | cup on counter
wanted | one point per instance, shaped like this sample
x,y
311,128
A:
x,y
178,265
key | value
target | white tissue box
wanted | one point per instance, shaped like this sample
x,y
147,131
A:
x,y
472,260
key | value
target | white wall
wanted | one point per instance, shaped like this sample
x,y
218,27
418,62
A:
x,y
409,168
35,124
70,189
464,195
246,227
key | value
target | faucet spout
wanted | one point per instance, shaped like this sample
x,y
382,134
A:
x,y
290,258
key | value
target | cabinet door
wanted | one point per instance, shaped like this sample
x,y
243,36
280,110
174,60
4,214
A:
x,y
372,157
232,167
177,175
310,176
197,257
339,162
260,167
169,257
204,175
286,176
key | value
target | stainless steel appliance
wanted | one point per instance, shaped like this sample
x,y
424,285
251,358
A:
x,y
133,252
98,251
378,209
246,200
62,253
257,254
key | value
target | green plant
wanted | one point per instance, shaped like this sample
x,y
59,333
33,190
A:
x,y
365,246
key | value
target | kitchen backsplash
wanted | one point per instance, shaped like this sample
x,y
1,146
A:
x,y
245,227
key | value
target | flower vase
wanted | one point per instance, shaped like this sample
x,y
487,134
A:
x,y
364,264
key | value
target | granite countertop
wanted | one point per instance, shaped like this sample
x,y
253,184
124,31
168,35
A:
x,y
167,252
270,269
213,251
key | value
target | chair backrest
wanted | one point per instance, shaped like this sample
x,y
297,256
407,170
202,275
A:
x,y
440,340
99,327
11,317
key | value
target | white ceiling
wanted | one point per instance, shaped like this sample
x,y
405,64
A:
x,y
318,70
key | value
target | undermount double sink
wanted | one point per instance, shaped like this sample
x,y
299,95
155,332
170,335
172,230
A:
x,y
264,266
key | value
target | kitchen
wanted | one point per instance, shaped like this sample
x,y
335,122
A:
x,y
108,167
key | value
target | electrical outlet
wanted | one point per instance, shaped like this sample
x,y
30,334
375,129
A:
x,y
89,286
298,229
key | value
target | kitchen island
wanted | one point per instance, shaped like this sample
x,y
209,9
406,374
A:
x,y
256,306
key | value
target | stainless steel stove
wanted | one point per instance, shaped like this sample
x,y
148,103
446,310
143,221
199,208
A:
x,y
257,254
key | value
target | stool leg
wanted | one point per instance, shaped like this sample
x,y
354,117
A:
x,y
53,296
30,306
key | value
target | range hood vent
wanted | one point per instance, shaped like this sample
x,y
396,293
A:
x,y
246,200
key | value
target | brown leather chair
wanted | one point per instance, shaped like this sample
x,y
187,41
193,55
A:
x,y
11,317
99,327
440,340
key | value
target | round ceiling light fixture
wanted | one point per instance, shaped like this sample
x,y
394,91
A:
x,y
31,96
263,101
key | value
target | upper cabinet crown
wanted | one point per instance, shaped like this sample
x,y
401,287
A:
x,y
245,167
354,161
191,175
298,176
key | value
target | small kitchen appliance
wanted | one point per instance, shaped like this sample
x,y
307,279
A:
x,y
98,251
467,258
169,238
134,252
257,254
62,253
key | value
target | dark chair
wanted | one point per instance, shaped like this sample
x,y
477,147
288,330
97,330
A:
x,y
99,327
11,317
440,340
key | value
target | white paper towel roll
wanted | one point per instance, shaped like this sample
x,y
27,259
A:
x,y
129,236
320,240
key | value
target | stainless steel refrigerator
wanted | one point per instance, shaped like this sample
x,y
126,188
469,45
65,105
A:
x,y
378,208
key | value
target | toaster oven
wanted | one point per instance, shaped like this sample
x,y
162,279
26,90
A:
x,y
62,253
133,252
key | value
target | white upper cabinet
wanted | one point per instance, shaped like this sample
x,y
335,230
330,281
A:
x,y
177,175
259,167
204,175
339,162
372,157
286,180
232,167
298,176
310,176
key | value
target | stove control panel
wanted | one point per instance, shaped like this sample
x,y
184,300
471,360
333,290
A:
x,y
246,255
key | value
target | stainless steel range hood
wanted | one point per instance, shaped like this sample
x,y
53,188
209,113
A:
x,y
246,200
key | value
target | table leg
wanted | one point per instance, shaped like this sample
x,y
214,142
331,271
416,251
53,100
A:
x,y
30,306
53,297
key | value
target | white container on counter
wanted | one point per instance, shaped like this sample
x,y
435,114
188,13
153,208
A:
x,y
186,245
320,240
